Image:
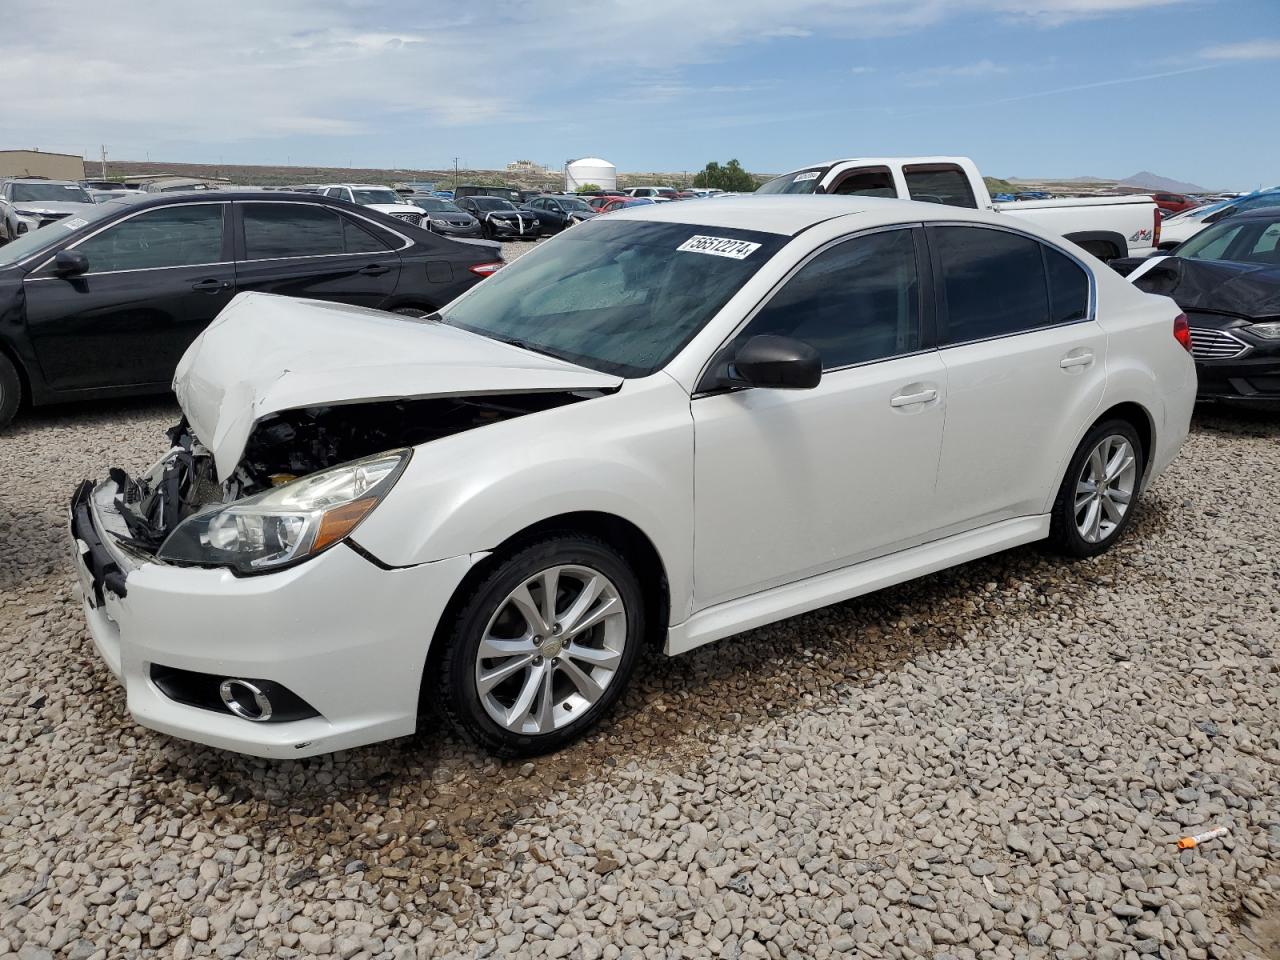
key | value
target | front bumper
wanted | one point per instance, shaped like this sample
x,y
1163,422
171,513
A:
x,y
511,228
346,635
447,229
1249,381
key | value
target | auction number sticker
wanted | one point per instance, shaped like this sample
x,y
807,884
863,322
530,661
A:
x,y
807,175
719,247
75,223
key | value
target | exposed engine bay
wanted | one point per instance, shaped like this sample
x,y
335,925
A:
x,y
290,444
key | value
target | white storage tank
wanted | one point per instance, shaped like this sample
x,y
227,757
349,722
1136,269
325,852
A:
x,y
590,170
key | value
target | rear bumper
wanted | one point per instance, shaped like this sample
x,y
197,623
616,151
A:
x,y
347,636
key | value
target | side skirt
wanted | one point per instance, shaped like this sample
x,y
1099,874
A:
x,y
788,600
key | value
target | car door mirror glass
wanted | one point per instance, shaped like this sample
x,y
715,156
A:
x,y
780,363
70,263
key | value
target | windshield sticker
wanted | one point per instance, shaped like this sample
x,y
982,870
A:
x,y
807,175
75,223
719,247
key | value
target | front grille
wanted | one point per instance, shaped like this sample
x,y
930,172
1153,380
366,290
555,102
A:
x,y
1208,344
413,218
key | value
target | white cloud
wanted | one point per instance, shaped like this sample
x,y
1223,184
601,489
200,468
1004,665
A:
x,y
932,76
1248,50
288,69
861,70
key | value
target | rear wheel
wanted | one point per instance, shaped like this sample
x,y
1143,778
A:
x,y
1098,495
10,390
543,646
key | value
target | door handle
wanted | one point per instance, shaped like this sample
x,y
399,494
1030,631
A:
x,y
907,399
1082,358
211,286
374,270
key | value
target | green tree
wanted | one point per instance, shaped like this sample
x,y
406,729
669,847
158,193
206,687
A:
x,y
588,187
730,177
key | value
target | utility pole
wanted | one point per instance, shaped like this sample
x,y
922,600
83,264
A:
x,y
455,175
104,161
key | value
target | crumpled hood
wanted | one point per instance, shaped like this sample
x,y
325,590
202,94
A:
x,y
266,353
52,206
391,209
1249,290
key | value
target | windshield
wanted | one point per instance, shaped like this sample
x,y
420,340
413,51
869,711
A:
x,y
492,203
34,192
37,240
435,205
1243,239
574,204
803,181
376,196
622,297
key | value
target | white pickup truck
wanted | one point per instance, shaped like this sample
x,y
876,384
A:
x,y
1108,227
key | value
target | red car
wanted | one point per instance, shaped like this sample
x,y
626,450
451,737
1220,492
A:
x,y
1173,202
617,203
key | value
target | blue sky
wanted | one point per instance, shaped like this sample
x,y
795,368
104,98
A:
x,y
1184,88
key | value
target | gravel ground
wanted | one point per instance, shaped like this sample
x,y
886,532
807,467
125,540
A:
x,y
995,761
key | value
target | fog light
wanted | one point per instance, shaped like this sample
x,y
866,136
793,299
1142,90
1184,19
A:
x,y
245,699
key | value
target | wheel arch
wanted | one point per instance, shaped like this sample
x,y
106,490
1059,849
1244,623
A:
x,y
24,375
1093,240
1140,419
620,533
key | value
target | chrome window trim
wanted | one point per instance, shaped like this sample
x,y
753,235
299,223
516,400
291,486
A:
x,y
774,290
116,223
317,256
944,311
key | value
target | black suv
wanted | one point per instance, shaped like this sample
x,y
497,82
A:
x,y
106,302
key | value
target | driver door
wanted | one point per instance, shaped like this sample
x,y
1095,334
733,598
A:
x,y
790,484
154,281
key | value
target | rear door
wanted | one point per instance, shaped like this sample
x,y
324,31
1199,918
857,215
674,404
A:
x,y
301,249
1026,368
155,280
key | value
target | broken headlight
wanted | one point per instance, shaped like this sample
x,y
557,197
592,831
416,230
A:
x,y
289,523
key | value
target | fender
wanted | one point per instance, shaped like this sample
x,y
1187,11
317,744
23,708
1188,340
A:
x,y
1115,239
459,495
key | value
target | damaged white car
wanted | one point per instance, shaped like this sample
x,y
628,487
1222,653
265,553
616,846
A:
x,y
665,426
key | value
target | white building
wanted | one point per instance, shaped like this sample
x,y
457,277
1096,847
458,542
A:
x,y
590,170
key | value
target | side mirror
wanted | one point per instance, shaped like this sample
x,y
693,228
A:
x,y
781,363
69,263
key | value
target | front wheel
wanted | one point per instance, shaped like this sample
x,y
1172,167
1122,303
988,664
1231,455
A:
x,y
1100,491
10,390
543,646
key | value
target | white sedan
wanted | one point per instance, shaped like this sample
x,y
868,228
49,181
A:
x,y
665,427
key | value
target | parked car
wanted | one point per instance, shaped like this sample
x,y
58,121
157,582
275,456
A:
x,y
668,193
105,303
1226,279
1184,226
510,194
376,197
557,213
596,202
1033,195
1174,202
660,428
29,203
622,203
445,217
1108,227
501,219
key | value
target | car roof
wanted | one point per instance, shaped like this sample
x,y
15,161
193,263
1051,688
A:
x,y
790,214
1259,213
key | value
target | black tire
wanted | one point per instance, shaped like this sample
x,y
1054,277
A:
x,y
10,390
455,679
1064,534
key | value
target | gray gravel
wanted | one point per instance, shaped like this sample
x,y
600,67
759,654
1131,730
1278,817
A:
x,y
996,761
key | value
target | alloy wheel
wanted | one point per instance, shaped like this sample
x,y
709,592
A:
x,y
551,649
1105,488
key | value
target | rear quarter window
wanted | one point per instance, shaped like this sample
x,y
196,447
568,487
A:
x,y
939,183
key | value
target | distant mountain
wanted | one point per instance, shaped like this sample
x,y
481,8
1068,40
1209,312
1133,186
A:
x,y
1150,181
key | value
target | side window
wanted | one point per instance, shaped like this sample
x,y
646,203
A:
x,y
357,239
183,236
994,282
855,302
1068,287
273,230
871,182
939,183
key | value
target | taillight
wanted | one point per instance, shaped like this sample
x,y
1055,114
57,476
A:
x,y
1182,331
484,269
1155,228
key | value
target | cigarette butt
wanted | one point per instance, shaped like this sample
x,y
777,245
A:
x,y
1190,843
